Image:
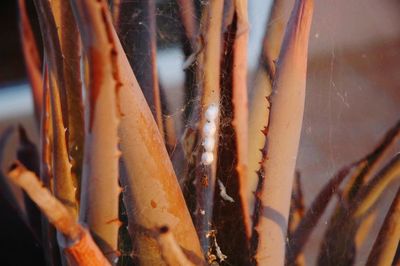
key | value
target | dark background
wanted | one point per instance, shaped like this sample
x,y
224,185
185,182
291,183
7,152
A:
x,y
11,61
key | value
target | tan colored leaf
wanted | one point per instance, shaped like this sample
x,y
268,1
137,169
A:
x,y
369,194
50,244
385,246
100,188
240,105
371,162
153,197
115,11
365,229
170,250
79,245
152,194
232,220
396,259
140,44
208,75
260,90
46,135
71,50
187,13
297,211
52,50
287,106
64,187
338,245
308,223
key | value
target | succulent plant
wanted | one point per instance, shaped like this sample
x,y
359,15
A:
x,y
116,187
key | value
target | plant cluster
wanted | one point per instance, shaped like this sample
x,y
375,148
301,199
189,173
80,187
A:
x,y
105,176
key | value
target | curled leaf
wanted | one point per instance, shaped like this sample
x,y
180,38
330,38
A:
x,y
80,247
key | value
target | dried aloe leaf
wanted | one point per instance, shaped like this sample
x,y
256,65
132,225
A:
x,y
190,25
297,206
307,224
385,246
296,214
338,246
365,228
64,187
49,235
79,245
208,76
260,90
53,53
240,105
46,136
32,58
337,234
231,215
370,193
153,197
100,188
283,138
396,259
115,8
124,239
170,250
372,161
71,51
137,28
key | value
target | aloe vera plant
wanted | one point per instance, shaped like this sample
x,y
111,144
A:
x,y
107,180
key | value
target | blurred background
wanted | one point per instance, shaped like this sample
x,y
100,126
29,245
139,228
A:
x,y
353,87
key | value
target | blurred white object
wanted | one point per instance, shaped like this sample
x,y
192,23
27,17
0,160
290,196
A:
x,y
15,101
211,113
209,144
207,158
